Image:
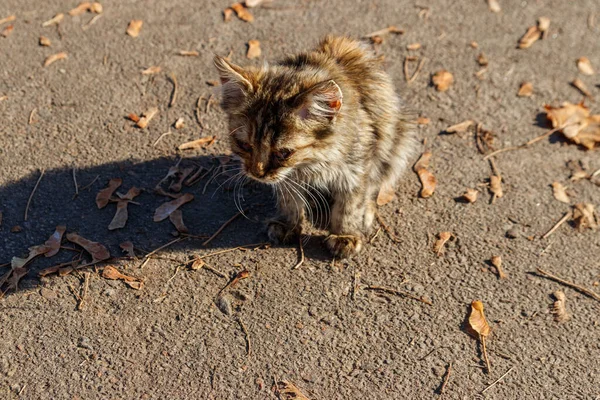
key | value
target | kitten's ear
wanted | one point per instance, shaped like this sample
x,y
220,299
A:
x,y
324,100
234,84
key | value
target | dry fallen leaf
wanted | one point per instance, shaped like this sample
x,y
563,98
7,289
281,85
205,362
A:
x,y
579,85
442,80
423,121
227,14
134,27
474,44
54,21
286,390
530,37
10,18
494,6
428,181
127,247
199,143
460,127
44,41
413,46
112,273
152,70
176,219
242,12
34,252
576,124
7,31
188,53
53,243
585,216
96,8
253,3
97,250
438,246
197,264
13,276
496,187
54,57
478,325
80,9
254,50
585,66
559,309
497,262
180,176
103,196
165,209
147,117
560,192
470,195
384,31
525,90
386,194
180,123
482,60
543,24
120,218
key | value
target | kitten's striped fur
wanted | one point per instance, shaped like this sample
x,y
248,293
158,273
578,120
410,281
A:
x,y
323,127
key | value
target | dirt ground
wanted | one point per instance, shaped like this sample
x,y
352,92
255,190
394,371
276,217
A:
x,y
310,325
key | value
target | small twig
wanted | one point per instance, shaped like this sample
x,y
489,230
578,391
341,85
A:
x,y
417,71
497,380
375,236
564,219
147,256
198,118
572,285
595,173
214,271
85,288
301,250
238,277
174,93
33,191
91,22
485,354
529,143
494,167
446,379
75,183
398,293
208,103
405,69
230,220
91,183
247,337
32,116
162,136
387,229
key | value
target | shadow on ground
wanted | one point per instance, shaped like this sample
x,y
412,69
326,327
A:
x,y
55,203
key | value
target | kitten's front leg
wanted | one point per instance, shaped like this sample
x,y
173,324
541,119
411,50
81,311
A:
x,y
287,224
346,237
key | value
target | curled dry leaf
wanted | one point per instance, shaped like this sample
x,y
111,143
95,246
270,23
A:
x,y
34,251
497,263
127,247
470,196
197,264
428,181
134,27
103,196
530,37
442,80
386,194
525,90
559,309
438,246
286,390
54,57
242,12
112,273
147,117
582,87
460,127
97,250
80,9
53,243
198,143
576,123
584,216
165,209
57,19
155,69
585,66
478,325
10,18
494,6
180,123
7,31
254,50
44,41
496,186
120,218
560,192
176,219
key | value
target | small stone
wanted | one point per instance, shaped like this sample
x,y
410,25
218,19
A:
x,y
48,294
224,304
513,233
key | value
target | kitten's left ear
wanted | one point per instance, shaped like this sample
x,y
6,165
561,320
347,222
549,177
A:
x,y
324,100
235,86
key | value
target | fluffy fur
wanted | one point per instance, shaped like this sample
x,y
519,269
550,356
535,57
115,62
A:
x,y
327,130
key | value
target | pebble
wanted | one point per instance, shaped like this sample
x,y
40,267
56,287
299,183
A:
x,y
48,294
513,233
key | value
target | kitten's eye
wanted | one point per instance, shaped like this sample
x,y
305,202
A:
x,y
244,146
283,154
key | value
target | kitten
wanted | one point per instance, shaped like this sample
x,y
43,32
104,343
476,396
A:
x,y
323,127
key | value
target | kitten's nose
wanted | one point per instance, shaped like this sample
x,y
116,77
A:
x,y
258,169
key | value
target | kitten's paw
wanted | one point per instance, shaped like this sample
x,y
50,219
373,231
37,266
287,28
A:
x,y
343,246
281,233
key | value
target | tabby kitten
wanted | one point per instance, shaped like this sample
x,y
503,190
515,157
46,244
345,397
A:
x,y
323,127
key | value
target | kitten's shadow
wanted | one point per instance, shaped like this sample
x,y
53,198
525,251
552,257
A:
x,y
217,197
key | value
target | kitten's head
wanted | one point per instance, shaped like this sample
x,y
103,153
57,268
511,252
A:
x,y
280,119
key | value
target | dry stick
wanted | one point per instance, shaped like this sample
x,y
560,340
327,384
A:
x,y
387,229
198,119
597,172
494,167
230,220
572,285
375,236
147,256
75,182
33,191
32,116
208,103
446,378
417,71
405,68
398,293
174,94
91,183
497,380
227,250
86,286
529,143
301,249
485,355
564,219
247,336
162,136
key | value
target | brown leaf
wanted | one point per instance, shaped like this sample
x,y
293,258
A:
x,y
134,27
477,322
494,6
54,57
127,247
423,121
496,186
413,46
442,80
103,196
133,117
15,275
254,50
482,60
7,31
176,219
155,69
525,90
578,83
53,243
576,124
112,273
120,218
428,182
460,127
497,262
242,12
179,124
137,285
530,37
197,264
584,216
438,246
470,195
166,209
543,24
97,250
96,8
199,143
423,161
286,390
560,193
181,175
44,41
147,117
227,14
585,66
34,251
386,194
10,18
559,309
54,21
80,9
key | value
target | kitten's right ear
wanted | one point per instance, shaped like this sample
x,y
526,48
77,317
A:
x,y
234,85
